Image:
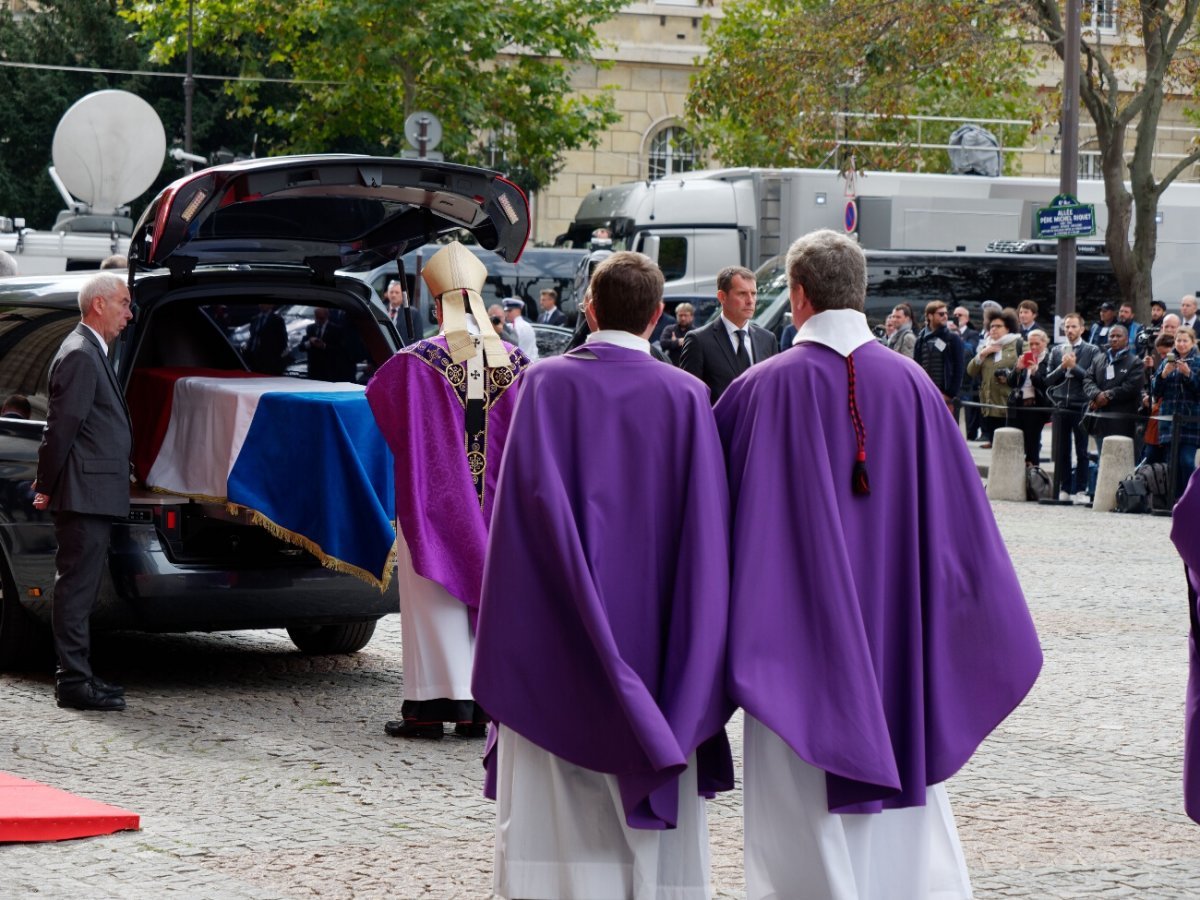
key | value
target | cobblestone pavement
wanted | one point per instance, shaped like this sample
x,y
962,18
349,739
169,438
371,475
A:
x,y
260,773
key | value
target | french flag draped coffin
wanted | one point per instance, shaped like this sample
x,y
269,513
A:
x,y
304,459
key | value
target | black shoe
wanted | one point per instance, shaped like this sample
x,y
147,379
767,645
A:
x,y
407,728
86,695
471,729
107,687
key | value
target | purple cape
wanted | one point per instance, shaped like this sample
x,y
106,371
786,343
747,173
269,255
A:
x,y
881,636
1186,536
418,398
603,624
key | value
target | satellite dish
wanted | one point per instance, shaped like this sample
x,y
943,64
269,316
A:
x,y
433,130
108,149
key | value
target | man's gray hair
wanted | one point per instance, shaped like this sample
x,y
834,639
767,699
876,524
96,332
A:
x,y
103,284
831,268
1120,328
8,265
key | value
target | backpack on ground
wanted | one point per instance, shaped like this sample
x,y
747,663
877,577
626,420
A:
x,y
1037,484
1145,490
1133,495
1158,479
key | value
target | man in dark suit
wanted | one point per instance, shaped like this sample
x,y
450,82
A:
x,y
83,479
402,314
266,351
723,349
325,343
550,314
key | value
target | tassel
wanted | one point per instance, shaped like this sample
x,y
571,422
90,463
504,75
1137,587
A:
x,y
859,483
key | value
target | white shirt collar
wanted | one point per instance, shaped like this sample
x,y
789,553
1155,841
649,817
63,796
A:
x,y
619,339
732,329
841,330
99,339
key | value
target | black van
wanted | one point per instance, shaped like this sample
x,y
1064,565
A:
x,y
1007,275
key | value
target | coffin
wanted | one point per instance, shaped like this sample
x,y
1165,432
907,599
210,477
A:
x,y
303,458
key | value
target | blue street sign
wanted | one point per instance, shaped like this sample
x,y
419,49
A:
x,y
1066,217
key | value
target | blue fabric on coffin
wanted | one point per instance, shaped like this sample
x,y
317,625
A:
x,y
337,498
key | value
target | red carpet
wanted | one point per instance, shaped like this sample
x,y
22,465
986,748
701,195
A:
x,y
35,812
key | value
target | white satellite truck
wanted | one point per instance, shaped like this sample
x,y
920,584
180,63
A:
x,y
108,149
697,223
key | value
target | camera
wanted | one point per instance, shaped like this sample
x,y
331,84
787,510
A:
x,y
1146,336
1171,356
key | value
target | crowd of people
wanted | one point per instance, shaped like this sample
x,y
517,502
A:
x,y
1118,377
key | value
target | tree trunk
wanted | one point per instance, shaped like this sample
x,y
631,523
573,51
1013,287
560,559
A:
x,y
1146,193
1110,136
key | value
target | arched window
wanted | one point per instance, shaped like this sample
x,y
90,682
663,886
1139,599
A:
x,y
672,150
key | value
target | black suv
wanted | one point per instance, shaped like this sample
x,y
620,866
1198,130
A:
x,y
219,246
1007,275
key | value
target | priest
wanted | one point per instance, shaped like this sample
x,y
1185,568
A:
x,y
444,406
878,632
601,645
1185,533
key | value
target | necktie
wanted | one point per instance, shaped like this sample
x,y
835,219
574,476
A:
x,y
743,354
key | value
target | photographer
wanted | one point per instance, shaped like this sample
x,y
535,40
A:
x,y
1177,383
1069,365
994,364
1113,385
1146,338
1152,408
1028,400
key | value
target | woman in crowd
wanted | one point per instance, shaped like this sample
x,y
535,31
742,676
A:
x,y
1151,405
1028,401
1177,384
994,363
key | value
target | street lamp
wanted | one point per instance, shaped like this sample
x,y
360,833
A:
x,y
189,90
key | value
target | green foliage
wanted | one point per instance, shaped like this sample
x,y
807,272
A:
x,y
362,66
779,72
1123,85
83,33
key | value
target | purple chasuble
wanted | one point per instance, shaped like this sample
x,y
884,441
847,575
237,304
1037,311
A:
x,y
882,637
1185,533
419,399
603,623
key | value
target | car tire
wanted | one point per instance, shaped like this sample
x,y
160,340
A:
x,y
24,644
319,640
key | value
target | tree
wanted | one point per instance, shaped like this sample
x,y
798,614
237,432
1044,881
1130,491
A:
x,y
968,58
779,73
1123,86
79,34
497,75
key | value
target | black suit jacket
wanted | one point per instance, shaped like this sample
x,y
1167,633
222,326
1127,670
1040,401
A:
x,y
708,354
331,362
557,317
268,344
83,460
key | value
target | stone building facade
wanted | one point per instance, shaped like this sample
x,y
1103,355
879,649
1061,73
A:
x,y
652,49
